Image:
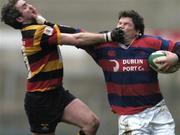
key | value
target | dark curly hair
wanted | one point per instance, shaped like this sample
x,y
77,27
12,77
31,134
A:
x,y
136,18
9,14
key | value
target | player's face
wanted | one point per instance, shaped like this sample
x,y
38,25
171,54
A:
x,y
127,25
28,11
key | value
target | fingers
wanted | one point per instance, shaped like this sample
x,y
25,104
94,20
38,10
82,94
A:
x,y
163,63
160,60
164,67
117,35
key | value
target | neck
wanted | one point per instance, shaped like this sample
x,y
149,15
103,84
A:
x,y
130,41
29,22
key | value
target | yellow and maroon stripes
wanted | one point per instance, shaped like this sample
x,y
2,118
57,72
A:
x,y
41,52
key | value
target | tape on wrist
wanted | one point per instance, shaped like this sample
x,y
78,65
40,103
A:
x,y
107,37
40,19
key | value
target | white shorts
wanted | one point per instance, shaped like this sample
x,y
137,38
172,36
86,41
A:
x,y
152,121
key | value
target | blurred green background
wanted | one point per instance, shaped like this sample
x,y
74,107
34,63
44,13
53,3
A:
x,y
82,76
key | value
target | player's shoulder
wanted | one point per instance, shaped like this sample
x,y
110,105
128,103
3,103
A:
x,y
33,27
152,38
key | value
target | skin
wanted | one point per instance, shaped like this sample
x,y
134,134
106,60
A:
x,y
28,11
127,25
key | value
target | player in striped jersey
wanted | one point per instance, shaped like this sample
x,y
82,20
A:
x,y
47,102
132,86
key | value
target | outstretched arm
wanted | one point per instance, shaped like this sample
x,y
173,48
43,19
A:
x,y
87,38
81,39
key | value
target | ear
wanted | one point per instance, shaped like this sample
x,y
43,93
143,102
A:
x,y
137,32
20,19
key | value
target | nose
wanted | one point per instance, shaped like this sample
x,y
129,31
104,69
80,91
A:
x,y
120,25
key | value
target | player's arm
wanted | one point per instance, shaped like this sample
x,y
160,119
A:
x,y
85,38
170,49
171,59
177,50
63,28
81,39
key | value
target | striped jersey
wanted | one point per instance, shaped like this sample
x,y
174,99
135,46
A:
x,y
132,86
42,56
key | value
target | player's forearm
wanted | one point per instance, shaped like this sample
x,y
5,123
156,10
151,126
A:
x,y
177,50
82,39
86,38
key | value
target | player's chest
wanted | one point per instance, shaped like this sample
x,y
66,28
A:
x,y
123,60
119,53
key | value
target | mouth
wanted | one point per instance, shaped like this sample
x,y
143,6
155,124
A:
x,y
33,11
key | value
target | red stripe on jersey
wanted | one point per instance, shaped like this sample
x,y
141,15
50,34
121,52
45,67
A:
x,y
28,42
171,46
122,65
53,39
52,56
148,42
133,89
43,85
108,44
128,110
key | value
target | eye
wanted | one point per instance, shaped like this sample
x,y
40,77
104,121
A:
x,y
24,6
120,23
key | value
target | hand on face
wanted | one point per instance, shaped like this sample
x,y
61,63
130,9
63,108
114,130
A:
x,y
34,12
37,17
127,25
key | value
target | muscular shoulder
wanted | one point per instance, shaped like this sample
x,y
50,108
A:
x,y
151,41
29,31
152,38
